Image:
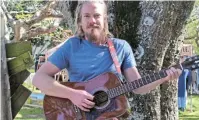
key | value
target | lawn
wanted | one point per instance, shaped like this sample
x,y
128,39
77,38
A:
x,y
28,112
31,113
187,114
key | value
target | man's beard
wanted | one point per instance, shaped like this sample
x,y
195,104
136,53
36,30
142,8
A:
x,y
95,36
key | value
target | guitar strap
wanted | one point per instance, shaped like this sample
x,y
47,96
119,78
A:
x,y
117,66
115,59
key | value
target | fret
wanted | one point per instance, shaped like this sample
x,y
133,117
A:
x,y
140,82
148,79
137,84
157,76
133,86
126,88
162,73
118,90
152,77
110,93
114,92
121,89
144,80
129,86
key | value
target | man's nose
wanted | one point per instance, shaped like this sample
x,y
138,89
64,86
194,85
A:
x,y
92,20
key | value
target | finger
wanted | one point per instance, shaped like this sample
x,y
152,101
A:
x,y
86,105
88,102
84,109
175,73
89,96
114,118
169,73
179,72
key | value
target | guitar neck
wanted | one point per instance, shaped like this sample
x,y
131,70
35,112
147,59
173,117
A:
x,y
129,86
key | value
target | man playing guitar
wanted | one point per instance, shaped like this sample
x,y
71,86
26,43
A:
x,y
86,55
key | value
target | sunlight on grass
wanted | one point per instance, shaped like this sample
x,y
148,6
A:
x,y
187,114
30,113
19,115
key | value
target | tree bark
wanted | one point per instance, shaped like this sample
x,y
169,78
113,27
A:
x,y
68,10
160,26
5,98
169,99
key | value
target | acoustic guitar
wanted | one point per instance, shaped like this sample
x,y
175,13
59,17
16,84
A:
x,y
108,93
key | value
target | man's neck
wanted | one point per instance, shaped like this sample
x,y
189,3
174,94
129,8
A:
x,y
101,41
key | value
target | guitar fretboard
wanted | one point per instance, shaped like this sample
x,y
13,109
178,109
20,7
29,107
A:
x,y
129,86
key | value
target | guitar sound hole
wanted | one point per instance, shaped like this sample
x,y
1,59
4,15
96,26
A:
x,y
100,98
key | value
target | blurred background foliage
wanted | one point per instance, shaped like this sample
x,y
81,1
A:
x,y
191,28
26,9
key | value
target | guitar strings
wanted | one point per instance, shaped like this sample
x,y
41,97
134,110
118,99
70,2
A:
x,y
100,97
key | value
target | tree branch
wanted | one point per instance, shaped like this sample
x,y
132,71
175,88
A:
x,y
9,17
22,28
41,30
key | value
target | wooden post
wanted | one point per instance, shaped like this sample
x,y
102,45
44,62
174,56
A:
x,y
5,99
6,113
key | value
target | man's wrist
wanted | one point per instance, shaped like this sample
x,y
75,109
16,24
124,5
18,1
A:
x,y
71,93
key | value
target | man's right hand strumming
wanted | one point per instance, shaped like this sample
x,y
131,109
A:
x,y
82,99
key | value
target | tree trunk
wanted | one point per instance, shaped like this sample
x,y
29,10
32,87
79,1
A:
x,y
5,98
68,10
159,28
169,99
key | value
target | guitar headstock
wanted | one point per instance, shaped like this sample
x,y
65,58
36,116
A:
x,y
191,63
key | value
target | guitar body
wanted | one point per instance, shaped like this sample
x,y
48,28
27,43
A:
x,y
106,108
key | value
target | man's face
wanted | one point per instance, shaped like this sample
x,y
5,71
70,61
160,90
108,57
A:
x,y
92,20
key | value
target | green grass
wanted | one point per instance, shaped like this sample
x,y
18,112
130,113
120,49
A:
x,y
30,113
187,114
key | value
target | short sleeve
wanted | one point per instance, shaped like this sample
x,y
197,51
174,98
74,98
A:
x,y
129,59
61,56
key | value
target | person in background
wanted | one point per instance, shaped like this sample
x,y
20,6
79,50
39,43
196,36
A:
x,y
182,89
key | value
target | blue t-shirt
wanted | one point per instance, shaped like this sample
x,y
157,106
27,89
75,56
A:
x,y
85,60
